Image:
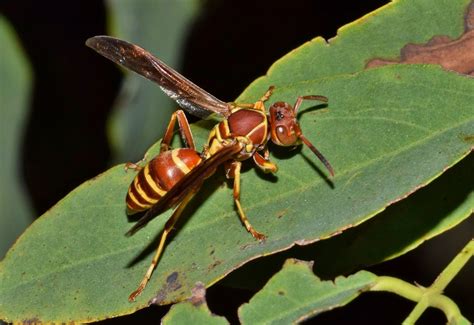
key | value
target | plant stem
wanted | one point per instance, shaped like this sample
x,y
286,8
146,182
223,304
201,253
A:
x,y
453,268
449,308
434,292
432,296
400,287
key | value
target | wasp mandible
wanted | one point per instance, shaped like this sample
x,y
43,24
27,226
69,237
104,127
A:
x,y
174,176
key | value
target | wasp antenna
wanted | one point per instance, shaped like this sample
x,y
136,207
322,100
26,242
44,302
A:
x,y
323,99
318,154
300,99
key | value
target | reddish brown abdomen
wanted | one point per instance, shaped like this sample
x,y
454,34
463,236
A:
x,y
158,177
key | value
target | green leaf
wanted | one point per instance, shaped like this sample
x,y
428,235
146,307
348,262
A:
x,y
194,311
187,313
142,109
448,201
295,294
432,210
379,34
386,131
15,88
398,128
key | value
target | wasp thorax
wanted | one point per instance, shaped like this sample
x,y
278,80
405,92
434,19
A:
x,y
284,127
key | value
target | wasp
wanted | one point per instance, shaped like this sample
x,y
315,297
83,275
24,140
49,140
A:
x,y
174,176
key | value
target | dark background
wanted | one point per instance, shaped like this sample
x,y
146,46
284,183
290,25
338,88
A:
x,y
229,45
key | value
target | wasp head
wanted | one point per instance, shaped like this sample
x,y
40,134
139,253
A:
x,y
285,129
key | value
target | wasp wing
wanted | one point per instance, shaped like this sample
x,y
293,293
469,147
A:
x,y
189,96
191,182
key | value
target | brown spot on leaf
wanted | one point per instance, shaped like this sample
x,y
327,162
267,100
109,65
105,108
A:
x,y
454,55
198,296
31,321
468,138
172,278
159,297
281,213
281,293
213,265
172,284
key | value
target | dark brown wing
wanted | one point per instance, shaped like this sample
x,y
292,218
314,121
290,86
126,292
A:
x,y
192,98
191,182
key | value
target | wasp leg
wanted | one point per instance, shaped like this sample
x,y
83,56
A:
x,y
267,94
264,163
167,229
184,130
258,105
233,171
135,166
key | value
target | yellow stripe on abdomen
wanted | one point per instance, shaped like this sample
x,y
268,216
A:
x,y
179,163
150,181
132,197
142,193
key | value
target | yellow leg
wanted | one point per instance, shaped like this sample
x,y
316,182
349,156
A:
x,y
259,105
168,227
135,166
267,95
264,163
235,173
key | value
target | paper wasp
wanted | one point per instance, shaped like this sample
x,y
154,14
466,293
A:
x,y
174,176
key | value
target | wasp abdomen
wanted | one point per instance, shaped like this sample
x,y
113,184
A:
x,y
158,176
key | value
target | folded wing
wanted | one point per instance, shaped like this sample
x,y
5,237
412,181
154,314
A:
x,y
189,96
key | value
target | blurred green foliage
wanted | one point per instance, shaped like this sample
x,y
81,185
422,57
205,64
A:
x,y
15,91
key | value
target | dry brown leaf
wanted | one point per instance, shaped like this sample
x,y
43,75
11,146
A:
x,y
455,55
